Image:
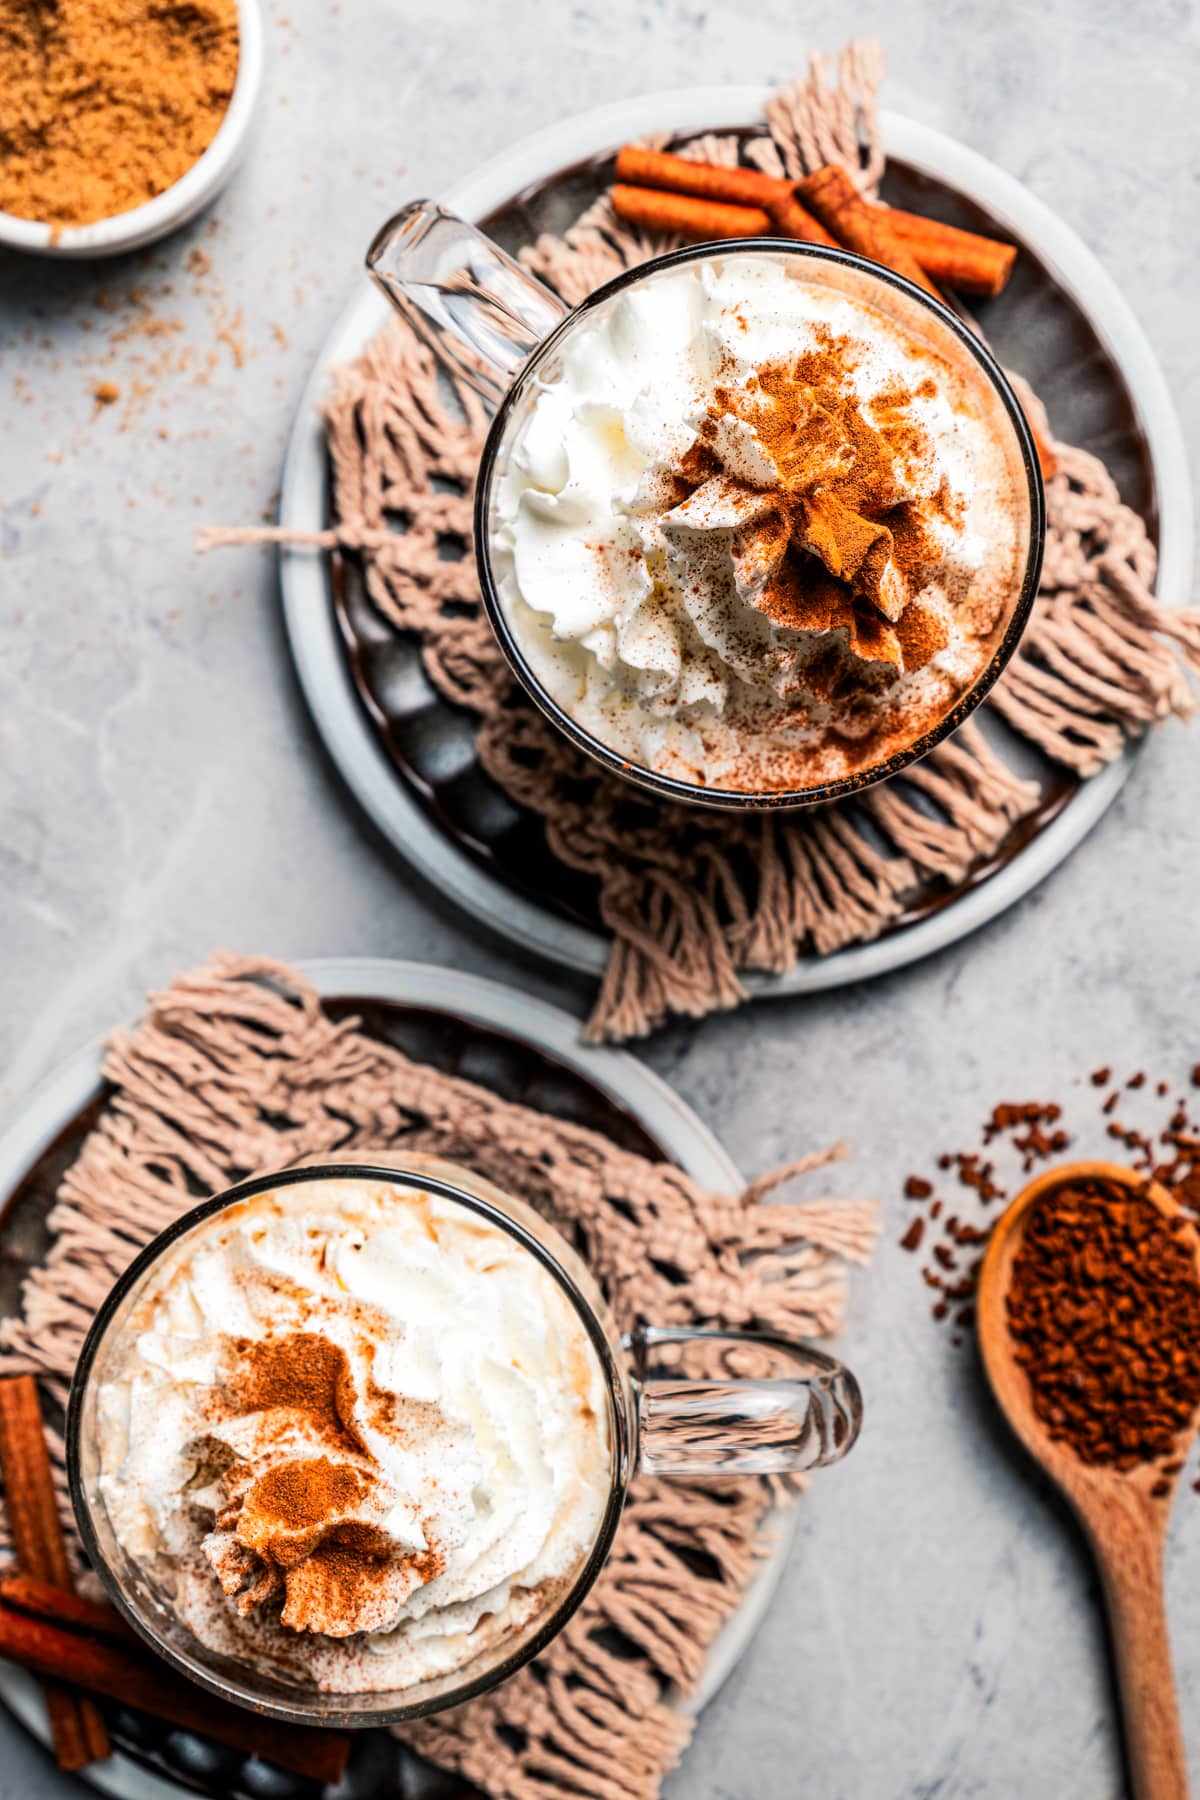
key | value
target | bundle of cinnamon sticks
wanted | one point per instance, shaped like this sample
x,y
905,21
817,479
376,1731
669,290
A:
x,y
657,191
83,1648
660,192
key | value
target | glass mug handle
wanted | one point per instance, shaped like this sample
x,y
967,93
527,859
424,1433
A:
x,y
804,1419
477,309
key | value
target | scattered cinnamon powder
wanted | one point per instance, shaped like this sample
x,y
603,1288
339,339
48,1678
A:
x,y
108,102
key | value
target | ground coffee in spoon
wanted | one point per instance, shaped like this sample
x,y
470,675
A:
x,y
1104,1312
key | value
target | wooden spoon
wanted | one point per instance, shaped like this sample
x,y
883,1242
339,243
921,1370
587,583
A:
x,y
1126,1528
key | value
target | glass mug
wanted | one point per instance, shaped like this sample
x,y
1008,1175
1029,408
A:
x,y
659,1424
497,328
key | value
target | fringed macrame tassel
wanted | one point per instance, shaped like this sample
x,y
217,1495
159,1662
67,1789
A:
x,y
545,1766
934,845
633,999
975,800
982,826
683,961
843,890
969,757
830,117
1045,710
597,247
1179,624
761,935
1098,666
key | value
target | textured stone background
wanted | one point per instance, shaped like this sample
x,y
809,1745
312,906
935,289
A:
x,y
161,793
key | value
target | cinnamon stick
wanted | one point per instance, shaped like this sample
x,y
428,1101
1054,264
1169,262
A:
x,y
833,197
89,1645
795,221
707,181
686,215
714,181
963,260
71,1611
76,1727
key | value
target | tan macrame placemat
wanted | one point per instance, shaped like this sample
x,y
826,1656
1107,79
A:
x,y
236,1070
1100,661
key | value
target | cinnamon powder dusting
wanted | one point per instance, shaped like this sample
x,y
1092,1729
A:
x,y
338,1584
289,1507
836,545
301,1519
302,1372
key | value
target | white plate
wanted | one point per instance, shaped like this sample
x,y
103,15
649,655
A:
x,y
44,1114
312,628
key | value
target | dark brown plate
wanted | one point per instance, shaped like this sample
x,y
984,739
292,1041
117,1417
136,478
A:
x,y
518,1070
1034,327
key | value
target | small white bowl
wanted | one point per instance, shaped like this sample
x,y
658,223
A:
x,y
186,197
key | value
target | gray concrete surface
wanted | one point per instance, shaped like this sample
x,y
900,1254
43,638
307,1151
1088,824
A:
x,y
161,794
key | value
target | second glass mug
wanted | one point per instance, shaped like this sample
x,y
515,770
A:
x,y
662,1425
496,328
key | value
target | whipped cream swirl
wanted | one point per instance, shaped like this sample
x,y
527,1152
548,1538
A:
x,y
355,1429
672,539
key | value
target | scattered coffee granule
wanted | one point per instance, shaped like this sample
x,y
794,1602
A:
x,y
1020,1134
1104,1312
1011,1113
912,1237
917,1188
974,1172
1037,1144
1137,1141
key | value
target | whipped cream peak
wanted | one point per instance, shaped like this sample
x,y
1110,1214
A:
x,y
356,1415
715,513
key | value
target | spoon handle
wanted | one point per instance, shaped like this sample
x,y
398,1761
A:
x,y
1131,1568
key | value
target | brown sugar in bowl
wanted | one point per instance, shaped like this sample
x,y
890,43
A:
x,y
185,198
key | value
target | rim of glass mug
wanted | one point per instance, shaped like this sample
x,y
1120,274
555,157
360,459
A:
x,y
670,787
623,1364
